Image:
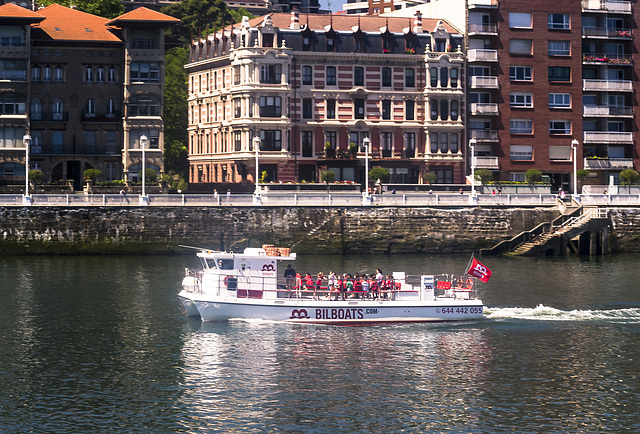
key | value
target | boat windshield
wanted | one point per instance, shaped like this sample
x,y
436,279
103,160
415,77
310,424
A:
x,y
211,263
225,264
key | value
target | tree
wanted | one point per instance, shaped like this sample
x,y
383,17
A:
x,y
92,174
379,173
175,112
581,174
328,176
485,176
150,176
36,175
629,176
532,176
101,8
429,177
197,17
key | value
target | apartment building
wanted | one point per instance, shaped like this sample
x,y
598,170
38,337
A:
x,y
85,88
311,91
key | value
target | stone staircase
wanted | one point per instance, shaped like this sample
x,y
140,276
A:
x,y
559,237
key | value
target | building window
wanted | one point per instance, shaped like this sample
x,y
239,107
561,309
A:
x,y
12,104
453,73
237,141
444,143
145,72
520,47
111,142
112,108
88,75
559,100
560,127
433,74
57,109
99,75
410,145
57,139
519,20
521,126
444,110
35,74
144,105
386,144
237,108
307,108
331,109
58,74
558,21
112,75
560,73
358,76
520,73
270,74
331,75
237,76
444,77
386,77
409,77
521,99
270,106
90,142
409,112
11,137
307,75
14,70
152,135
454,110
358,108
46,74
559,48
36,109
331,138
386,109
433,105
521,153
433,143
90,108
307,143
453,143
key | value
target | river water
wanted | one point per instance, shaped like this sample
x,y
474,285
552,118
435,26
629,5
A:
x,y
100,344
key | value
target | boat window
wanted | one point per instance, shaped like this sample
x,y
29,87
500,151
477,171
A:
x,y
225,264
211,263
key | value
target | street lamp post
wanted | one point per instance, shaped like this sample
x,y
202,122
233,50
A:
x,y
574,146
26,139
256,147
144,140
472,147
366,142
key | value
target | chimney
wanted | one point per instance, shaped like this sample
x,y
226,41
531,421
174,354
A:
x,y
417,23
295,20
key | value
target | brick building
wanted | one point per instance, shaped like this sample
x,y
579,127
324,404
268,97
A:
x,y
312,91
85,89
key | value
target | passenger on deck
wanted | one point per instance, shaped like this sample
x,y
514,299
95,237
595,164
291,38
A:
x,y
308,282
357,285
319,280
365,286
348,283
290,275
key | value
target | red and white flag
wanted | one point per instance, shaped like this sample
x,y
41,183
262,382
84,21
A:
x,y
479,270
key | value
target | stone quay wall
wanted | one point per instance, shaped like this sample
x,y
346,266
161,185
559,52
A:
x,y
342,230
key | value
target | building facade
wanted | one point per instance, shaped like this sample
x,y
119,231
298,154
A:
x,y
313,93
84,88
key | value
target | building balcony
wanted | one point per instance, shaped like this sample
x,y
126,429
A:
x,y
612,6
483,4
608,137
609,59
484,135
483,29
49,117
605,111
477,108
482,55
486,82
607,85
486,162
604,32
101,117
608,163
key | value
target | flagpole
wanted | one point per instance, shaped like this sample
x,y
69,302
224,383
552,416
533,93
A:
x,y
469,264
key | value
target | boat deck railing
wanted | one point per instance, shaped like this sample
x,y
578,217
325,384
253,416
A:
x,y
270,288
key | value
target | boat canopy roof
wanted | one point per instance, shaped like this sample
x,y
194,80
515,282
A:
x,y
249,253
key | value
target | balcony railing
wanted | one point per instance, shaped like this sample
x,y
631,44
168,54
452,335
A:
x,y
484,135
486,162
607,137
608,163
483,55
611,59
611,6
484,108
102,117
607,111
484,82
604,32
607,85
483,28
49,116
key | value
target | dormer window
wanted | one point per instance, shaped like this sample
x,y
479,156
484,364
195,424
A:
x,y
330,44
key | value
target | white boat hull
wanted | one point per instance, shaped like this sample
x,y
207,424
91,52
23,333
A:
x,y
348,312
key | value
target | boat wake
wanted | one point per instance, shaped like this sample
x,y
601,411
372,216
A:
x,y
545,313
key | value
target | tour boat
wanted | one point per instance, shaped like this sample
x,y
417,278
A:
x,y
251,285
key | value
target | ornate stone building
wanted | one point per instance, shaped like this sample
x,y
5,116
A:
x,y
313,89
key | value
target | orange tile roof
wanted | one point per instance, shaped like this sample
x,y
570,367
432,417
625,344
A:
x,y
368,23
10,10
142,14
67,24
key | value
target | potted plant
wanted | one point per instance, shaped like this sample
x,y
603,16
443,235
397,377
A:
x,y
329,152
353,149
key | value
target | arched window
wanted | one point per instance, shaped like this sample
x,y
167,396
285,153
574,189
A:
x,y
112,108
57,109
36,109
90,108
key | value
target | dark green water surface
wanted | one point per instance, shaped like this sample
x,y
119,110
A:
x,y
100,344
